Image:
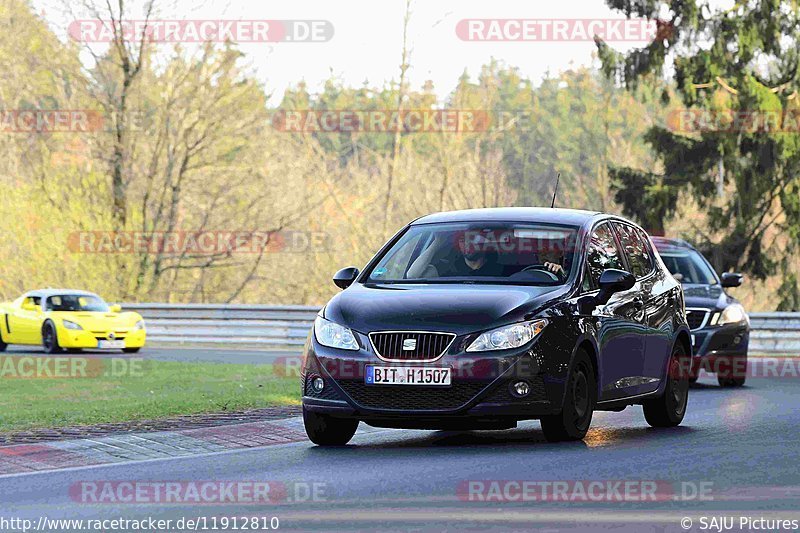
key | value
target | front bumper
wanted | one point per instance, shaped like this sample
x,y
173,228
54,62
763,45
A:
x,y
479,396
68,338
719,346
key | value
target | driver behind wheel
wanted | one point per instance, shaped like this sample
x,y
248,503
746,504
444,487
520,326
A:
x,y
555,268
476,257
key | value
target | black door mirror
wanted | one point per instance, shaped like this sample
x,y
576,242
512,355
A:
x,y
613,281
732,279
345,277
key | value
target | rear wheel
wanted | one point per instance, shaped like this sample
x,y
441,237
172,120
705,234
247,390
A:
x,y
50,338
669,409
581,395
326,430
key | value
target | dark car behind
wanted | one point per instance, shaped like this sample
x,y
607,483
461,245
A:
x,y
720,326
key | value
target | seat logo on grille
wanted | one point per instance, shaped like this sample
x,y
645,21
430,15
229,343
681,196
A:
x,y
409,345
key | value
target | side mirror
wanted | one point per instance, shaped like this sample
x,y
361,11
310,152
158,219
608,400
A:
x,y
731,279
613,281
345,277
116,308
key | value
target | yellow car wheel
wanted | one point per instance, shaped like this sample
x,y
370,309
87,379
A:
x,y
50,338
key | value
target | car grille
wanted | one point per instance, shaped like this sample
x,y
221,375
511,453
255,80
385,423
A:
x,y
409,397
696,318
410,345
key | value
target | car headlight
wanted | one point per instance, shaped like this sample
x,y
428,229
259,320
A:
x,y
733,314
508,337
139,325
333,335
71,325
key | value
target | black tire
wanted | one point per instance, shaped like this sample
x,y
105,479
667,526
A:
x,y
3,345
74,350
50,338
669,409
326,430
131,350
579,400
733,375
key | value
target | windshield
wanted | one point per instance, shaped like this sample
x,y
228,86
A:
x,y
534,254
688,267
77,302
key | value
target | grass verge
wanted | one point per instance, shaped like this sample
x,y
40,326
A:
x,y
137,389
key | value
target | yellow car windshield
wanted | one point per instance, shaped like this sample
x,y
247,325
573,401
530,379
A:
x,y
76,302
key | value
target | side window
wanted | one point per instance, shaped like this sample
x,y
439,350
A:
x,y
602,253
586,284
648,248
636,249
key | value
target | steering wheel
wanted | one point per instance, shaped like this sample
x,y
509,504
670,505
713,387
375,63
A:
x,y
541,268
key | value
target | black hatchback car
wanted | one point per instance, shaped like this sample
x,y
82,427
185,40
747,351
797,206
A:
x,y
720,326
478,319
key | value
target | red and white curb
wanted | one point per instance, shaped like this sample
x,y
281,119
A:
x,y
21,458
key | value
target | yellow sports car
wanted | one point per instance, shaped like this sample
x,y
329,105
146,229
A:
x,y
61,319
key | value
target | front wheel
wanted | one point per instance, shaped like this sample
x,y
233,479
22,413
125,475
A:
x,y
734,373
580,398
3,345
669,409
50,339
326,430
131,350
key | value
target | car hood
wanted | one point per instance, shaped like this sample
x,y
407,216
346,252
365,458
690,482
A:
x,y
707,296
456,308
97,321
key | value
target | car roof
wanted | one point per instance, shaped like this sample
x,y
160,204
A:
x,y
666,244
575,217
44,293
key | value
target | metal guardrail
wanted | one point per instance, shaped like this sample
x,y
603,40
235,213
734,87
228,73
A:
x,y
287,326
775,333
278,326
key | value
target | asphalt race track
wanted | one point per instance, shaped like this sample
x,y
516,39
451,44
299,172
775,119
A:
x,y
735,456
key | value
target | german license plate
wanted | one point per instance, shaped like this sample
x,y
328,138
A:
x,y
407,375
111,344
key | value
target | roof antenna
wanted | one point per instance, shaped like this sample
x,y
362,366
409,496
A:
x,y
558,178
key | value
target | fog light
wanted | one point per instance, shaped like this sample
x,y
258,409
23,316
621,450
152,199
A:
x,y
318,384
521,389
